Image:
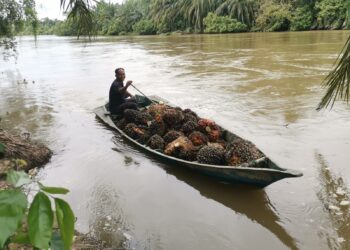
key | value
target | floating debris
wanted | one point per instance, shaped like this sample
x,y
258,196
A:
x,y
344,203
332,207
340,191
127,236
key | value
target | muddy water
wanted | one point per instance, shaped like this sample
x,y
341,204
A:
x,y
264,87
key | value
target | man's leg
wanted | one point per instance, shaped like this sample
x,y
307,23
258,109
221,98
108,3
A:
x,y
127,105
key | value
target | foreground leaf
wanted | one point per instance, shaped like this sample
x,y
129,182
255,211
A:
x,y
53,190
13,204
56,242
40,219
17,178
65,218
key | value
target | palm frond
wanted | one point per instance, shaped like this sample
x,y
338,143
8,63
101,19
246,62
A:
x,y
338,80
80,12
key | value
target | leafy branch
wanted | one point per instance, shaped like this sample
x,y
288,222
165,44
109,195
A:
x,y
34,225
338,81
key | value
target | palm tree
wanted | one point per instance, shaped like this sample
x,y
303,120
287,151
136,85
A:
x,y
164,11
242,10
195,10
80,12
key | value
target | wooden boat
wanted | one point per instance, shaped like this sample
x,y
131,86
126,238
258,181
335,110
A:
x,y
260,172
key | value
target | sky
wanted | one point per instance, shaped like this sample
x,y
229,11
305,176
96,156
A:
x,y
51,8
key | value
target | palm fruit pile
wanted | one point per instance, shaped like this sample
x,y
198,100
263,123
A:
x,y
185,135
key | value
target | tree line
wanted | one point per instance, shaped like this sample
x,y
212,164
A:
x,y
147,17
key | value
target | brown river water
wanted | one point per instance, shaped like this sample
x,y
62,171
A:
x,y
262,86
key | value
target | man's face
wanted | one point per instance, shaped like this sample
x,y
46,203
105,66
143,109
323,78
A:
x,y
121,75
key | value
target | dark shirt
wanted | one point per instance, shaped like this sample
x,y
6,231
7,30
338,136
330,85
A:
x,y
115,97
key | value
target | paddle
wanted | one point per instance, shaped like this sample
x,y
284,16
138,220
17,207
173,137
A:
x,y
143,94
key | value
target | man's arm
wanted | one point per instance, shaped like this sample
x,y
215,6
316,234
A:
x,y
128,94
123,90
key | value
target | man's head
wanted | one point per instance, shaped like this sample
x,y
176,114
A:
x,y
120,74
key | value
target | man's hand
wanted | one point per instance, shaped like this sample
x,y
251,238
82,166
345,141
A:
x,y
128,83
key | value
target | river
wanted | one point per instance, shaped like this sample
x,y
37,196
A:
x,y
262,86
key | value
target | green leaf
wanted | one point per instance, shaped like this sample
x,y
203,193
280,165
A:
x,y
40,220
56,242
53,190
17,178
65,218
21,238
13,204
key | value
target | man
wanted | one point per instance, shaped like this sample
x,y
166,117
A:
x,y
119,97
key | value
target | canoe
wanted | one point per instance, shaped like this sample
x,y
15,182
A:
x,y
260,173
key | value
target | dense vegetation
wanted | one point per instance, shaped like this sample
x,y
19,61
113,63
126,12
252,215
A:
x,y
148,17
14,15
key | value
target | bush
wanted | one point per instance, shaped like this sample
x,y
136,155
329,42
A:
x,y
222,24
114,27
331,14
274,17
302,19
144,27
65,28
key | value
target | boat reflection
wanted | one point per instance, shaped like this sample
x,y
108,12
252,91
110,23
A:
x,y
243,199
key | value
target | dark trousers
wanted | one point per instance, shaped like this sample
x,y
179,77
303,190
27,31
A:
x,y
129,103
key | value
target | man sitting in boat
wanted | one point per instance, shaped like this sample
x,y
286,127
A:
x,y
119,97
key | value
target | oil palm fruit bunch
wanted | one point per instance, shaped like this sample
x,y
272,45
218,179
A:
x,y
189,117
173,117
157,126
211,155
157,109
156,142
189,127
171,136
136,116
219,144
136,133
204,124
121,123
198,138
190,112
182,147
240,151
209,128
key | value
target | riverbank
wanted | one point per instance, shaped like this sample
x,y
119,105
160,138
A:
x,y
21,153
